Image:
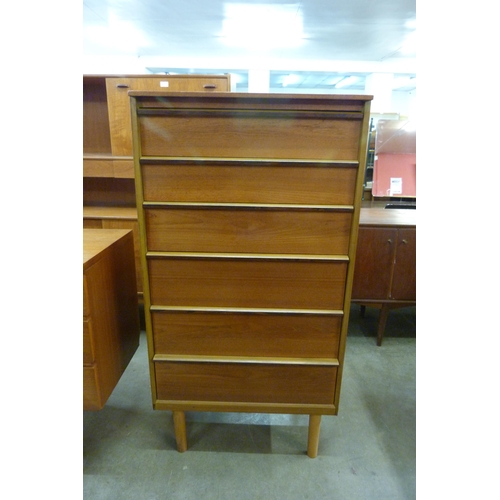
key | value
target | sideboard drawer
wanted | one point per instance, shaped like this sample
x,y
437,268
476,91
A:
x,y
249,383
246,334
250,283
249,230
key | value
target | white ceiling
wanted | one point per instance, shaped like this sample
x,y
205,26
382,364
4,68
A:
x,y
317,42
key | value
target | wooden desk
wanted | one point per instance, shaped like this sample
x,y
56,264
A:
x,y
385,270
110,312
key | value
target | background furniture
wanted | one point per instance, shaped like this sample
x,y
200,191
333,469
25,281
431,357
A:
x,y
110,312
385,274
108,169
248,211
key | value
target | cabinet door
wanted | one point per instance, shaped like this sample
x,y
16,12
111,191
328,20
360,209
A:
x,y
117,89
374,258
404,280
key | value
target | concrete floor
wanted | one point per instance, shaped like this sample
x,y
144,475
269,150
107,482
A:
x,y
366,452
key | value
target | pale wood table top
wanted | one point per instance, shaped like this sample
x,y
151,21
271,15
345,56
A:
x,y
95,241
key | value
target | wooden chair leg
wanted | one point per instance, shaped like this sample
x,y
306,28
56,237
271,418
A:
x,y
313,437
180,430
382,320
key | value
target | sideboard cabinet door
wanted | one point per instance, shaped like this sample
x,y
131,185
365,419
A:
x,y
404,278
374,257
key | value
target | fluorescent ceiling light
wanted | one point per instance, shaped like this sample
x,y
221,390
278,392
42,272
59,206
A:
x,y
262,26
237,78
403,81
348,80
411,24
410,44
334,80
291,79
117,34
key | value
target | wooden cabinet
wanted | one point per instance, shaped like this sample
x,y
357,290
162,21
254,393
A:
x,y
107,133
119,102
110,312
248,210
385,273
108,172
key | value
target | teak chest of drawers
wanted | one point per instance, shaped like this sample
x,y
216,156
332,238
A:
x,y
248,209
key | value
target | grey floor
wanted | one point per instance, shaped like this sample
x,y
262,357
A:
x,y
366,452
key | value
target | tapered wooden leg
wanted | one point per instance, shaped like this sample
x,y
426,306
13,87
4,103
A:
x,y
382,320
180,430
313,438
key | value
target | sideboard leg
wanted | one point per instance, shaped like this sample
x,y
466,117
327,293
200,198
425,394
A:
x,y
180,430
313,437
382,320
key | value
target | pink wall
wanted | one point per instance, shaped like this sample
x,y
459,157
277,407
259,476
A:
x,y
395,165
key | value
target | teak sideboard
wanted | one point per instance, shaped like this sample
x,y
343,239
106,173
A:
x,y
385,275
248,210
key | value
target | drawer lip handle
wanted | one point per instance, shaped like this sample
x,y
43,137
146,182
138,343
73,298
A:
x,y
122,86
209,86
196,358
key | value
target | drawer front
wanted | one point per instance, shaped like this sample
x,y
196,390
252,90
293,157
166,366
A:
x,y
249,135
200,84
246,334
177,83
317,232
88,351
250,283
207,182
249,383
